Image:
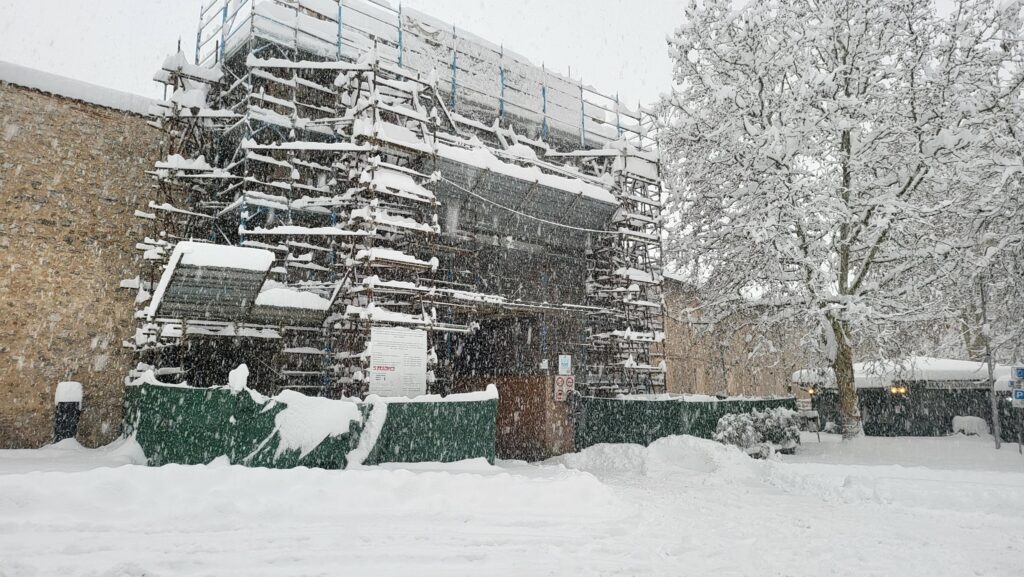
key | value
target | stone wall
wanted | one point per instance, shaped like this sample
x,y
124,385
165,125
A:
x,y
71,176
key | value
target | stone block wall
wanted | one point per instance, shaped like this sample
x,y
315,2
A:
x,y
71,176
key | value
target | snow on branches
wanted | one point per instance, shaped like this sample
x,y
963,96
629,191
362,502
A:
x,y
827,158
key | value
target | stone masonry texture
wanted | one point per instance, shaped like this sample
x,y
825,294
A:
x,y
71,176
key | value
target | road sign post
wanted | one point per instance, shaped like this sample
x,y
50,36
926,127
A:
x,y
1017,387
1018,397
1017,401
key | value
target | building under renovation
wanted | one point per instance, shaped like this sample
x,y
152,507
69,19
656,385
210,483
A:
x,y
360,199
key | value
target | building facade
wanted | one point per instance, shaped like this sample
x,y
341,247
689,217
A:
x,y
393,201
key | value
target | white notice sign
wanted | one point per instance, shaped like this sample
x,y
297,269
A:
x,y
398,362
565,364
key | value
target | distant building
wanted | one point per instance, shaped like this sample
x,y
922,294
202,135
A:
x,y
720,360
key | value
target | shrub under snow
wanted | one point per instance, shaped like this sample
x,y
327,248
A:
x,y
759,432
970,425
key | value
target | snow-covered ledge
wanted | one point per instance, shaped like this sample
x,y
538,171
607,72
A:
x,y
74,89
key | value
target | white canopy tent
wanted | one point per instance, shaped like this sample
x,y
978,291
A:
x,y
884,373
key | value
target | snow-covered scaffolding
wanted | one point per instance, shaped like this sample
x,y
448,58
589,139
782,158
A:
x,y
386,170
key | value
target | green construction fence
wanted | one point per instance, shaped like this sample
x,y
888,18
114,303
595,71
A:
x,y
921,411
643,421
189,426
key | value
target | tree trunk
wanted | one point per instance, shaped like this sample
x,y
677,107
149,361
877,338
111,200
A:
x,y
842,367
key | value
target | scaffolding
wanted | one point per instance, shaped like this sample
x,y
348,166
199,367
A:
x,y
384,169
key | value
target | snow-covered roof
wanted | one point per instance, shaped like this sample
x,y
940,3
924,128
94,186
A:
x,y
205,255
291,298
880,374
74,89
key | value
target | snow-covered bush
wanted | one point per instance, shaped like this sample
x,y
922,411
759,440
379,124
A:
x,y
738,429
970,425
779,427
759,433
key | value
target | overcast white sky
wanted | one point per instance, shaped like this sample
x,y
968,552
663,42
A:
x,y
614,45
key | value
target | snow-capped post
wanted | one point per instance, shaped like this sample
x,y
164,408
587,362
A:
x,y
67,411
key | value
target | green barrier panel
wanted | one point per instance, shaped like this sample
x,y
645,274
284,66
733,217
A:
x,y
191,426
642,422
438,432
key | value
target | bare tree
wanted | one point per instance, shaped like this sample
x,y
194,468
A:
x,y
823,155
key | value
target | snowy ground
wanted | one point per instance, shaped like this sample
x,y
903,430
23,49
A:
x,y
888,507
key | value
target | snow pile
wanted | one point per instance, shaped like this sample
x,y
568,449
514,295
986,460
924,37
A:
x,y
238,378
223,256
307,421
69,456
291,298
676,455
970,426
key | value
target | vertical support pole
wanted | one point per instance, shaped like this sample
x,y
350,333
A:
x,y
583,118
455,68
401,43
341,26
223,31
618,120
243,223
334,247
501,74
199,33
298,25
326,365
544,100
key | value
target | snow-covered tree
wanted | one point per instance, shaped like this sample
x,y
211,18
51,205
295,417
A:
x,y
825,158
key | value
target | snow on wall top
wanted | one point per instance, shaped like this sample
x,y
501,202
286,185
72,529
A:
x,y
74,89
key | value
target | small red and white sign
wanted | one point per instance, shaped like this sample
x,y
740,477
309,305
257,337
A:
x,y
563,386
